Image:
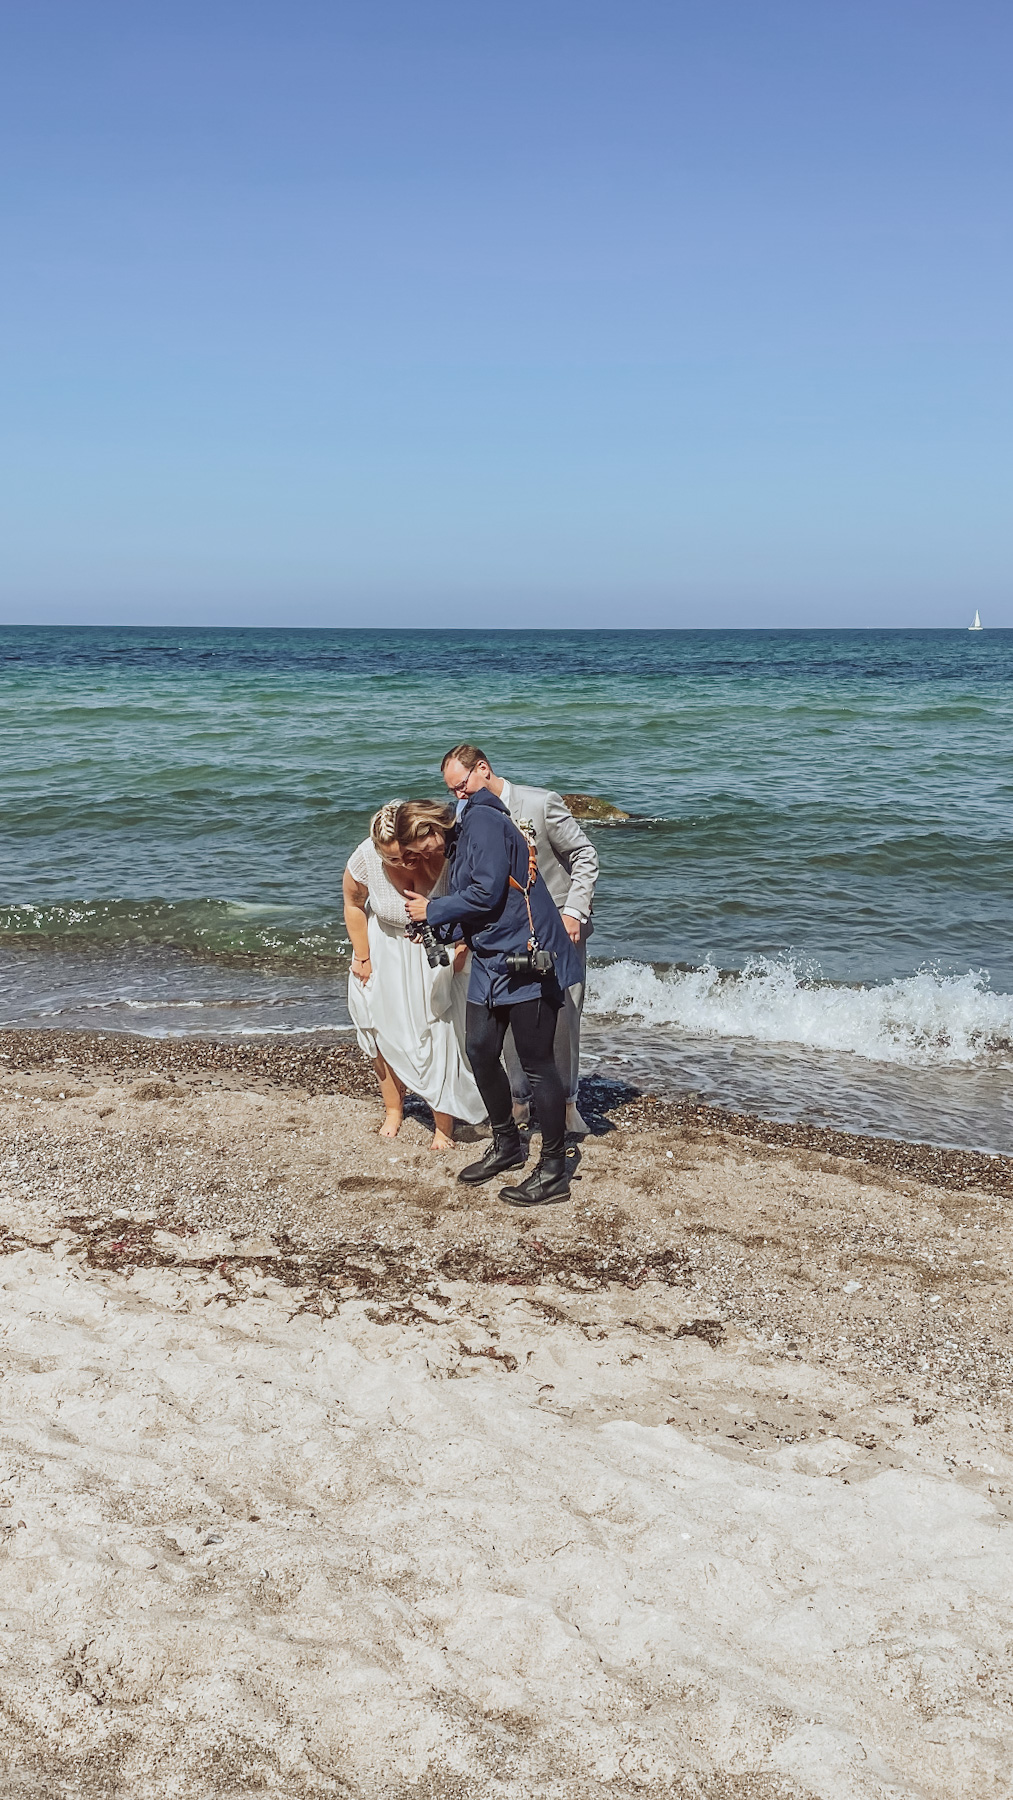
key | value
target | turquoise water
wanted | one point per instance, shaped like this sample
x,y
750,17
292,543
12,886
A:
x,y
809,915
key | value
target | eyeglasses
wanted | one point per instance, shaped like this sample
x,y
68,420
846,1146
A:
x,y
460,788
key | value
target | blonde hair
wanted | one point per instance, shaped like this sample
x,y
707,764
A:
x,y
417,818
403,822
383,824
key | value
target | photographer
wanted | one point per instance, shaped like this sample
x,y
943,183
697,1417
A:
x,y
508,916
569,862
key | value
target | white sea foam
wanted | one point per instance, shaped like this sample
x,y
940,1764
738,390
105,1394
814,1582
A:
x,y
921,1020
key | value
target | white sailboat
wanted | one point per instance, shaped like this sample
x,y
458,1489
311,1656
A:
x,y
977,626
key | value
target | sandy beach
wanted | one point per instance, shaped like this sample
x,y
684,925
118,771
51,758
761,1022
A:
x,y
321,1475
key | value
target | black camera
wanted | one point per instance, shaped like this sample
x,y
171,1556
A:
x,y
534,963
421,932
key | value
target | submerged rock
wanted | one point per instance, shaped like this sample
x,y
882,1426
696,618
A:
x,y
595,811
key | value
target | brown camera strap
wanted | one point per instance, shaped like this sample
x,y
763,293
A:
x,y
521,889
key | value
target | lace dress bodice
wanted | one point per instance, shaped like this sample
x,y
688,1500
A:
x,y
385,902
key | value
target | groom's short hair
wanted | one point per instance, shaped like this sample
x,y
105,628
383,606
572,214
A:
x,y
467,755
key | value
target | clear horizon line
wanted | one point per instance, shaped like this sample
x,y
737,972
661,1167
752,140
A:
x,y
507,630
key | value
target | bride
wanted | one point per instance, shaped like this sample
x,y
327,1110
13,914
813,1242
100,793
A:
x,y
408,1017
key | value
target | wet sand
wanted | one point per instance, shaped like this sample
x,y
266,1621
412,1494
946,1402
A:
x,y
321,1474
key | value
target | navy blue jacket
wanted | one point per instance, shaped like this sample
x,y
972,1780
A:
x,y
485,850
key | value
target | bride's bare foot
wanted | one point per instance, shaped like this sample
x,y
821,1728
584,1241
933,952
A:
x,y
392,1094
443,1131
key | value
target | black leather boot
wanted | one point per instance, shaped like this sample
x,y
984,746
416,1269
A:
x,y
548,1183
505,1152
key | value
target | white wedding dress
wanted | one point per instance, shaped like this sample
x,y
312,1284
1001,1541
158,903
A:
x,y
411,1015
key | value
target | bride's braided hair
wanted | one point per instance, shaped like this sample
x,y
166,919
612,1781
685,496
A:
x,y
383,824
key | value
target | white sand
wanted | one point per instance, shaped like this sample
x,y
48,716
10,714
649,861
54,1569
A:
x,y
248,1549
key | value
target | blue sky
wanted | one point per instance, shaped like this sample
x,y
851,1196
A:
x,y
553,313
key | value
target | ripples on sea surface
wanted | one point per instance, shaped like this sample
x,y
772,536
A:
x,y
808,919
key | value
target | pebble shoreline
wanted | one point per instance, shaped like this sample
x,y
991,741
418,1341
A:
x,y
316,1067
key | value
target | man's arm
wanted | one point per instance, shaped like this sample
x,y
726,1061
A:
x,y
576,848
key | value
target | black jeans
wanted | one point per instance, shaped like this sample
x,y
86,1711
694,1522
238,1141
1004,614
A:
x,y
534,1027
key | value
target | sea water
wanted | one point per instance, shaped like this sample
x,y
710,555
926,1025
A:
x,y
807,915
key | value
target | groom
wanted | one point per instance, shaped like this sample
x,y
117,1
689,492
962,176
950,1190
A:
x,y
568,863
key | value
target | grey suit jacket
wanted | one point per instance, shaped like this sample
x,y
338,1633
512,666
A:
x,y
567,859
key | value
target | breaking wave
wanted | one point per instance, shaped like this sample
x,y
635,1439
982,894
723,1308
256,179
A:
x,y
921,1020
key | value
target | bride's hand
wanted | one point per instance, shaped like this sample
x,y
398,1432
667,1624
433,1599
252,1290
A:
x,y
362,968
415,905
460,957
